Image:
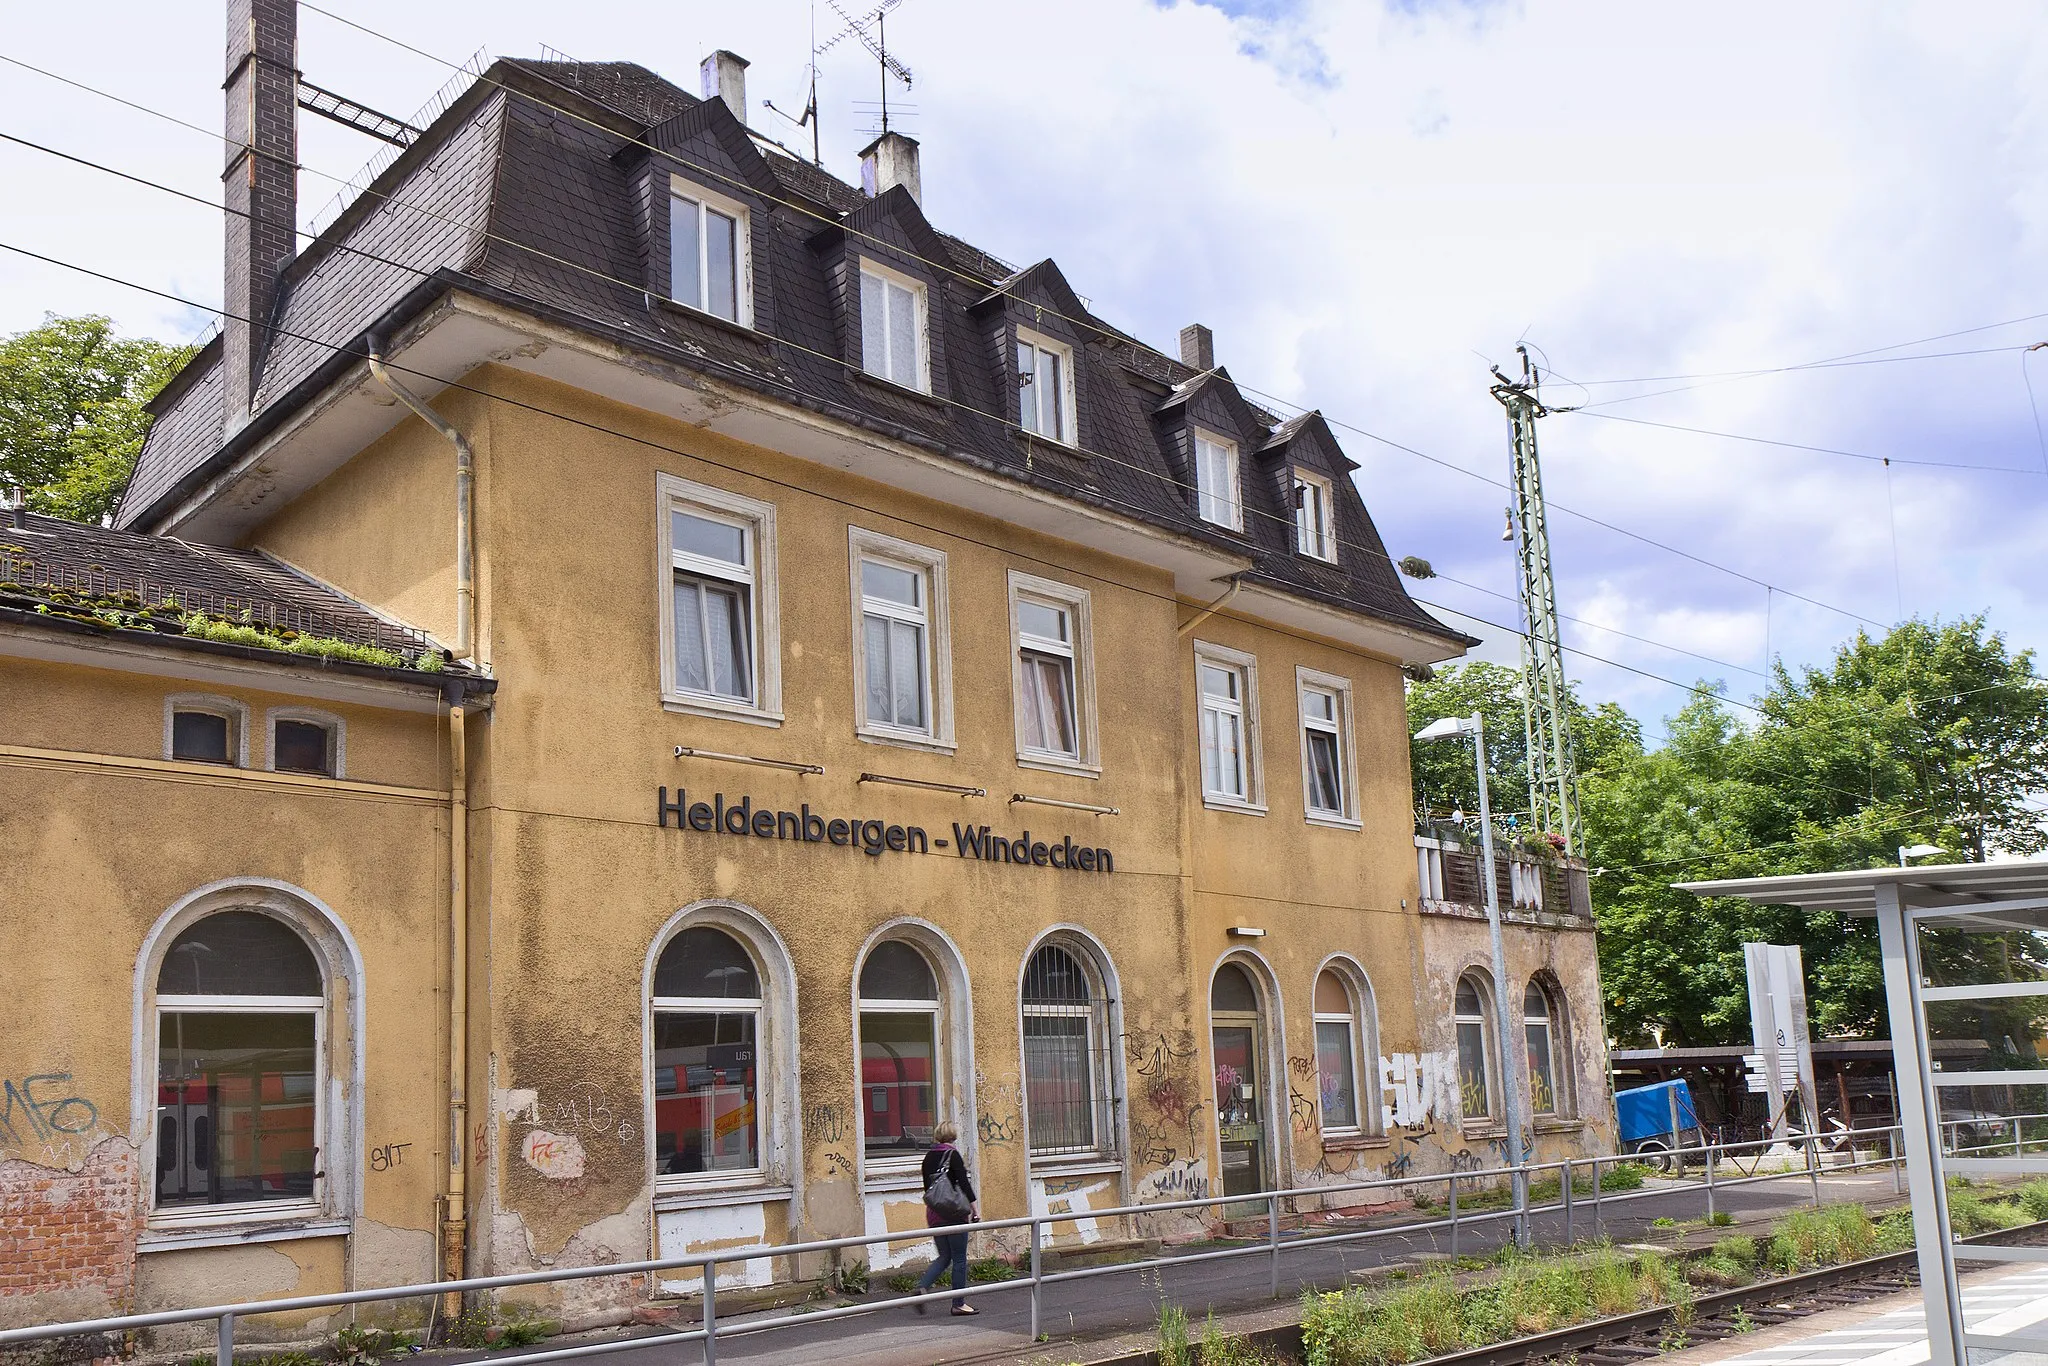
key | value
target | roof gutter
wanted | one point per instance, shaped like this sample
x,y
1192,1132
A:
x,y
465,484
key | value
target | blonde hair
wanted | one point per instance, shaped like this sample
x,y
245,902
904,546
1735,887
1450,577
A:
x,y
947,1132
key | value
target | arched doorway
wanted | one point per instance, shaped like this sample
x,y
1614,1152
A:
x,y
1237,1033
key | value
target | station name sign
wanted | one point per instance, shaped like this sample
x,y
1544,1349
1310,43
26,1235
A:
x,y
873,837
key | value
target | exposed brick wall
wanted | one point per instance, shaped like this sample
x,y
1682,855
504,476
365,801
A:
x,y
70,1231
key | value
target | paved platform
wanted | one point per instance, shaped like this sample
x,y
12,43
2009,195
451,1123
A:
x,y
1890,1331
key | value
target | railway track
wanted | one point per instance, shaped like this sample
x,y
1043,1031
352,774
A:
x,y
1630,1338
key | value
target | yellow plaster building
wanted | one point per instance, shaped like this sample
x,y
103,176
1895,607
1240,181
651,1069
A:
x,y
703,678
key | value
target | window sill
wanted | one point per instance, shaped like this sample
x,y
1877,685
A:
x,y
753,1189
1353,1143
685,705
1481,1129
692,313
1055,1166
1216,803
1554,1125
1330,822
883,1178
1053,763
173,1233
875,735
895,390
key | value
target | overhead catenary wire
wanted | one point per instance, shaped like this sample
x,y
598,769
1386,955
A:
x,y
894,515
1089,324
1693,689
1179,485
1798,446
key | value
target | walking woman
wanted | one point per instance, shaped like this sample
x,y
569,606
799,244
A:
x,y
949,1207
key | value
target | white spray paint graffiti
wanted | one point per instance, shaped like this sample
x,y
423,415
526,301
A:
x,y
1418,1086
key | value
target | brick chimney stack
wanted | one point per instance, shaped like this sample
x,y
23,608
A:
x,y
1197,347
261,182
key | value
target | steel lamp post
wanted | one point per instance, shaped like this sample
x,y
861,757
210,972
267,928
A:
x,y
1513,1079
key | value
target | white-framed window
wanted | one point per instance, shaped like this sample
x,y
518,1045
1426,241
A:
x,y
1341,1049
241,1077
1542,1019
1045,387
1069,1095
1329,785
720,620
1315,516
901,1068
902,642
707,1004
202,729
710,258
895,337
1216,485
305,741
1053,675
1472,1012
1227,718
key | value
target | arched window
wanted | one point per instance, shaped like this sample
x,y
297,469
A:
x,y
241,1007
1540,1024
1476,1072
707,1038
1067,1082
899,1050
1347,1053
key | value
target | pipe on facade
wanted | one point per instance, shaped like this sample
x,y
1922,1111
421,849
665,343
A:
x,y
465,480
1236,585
455,1213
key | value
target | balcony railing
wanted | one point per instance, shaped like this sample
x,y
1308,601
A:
x,y
1450,875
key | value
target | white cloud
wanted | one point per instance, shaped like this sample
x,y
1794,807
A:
x,y
1363,202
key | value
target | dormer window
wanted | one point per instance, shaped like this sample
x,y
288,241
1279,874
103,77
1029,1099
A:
x,y
708,265
1216,481
893,342
1045,388
1315,531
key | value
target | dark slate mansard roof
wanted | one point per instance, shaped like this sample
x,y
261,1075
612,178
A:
x,y
562,214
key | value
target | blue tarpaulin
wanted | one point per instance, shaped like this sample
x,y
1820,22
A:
x,y
1645,1111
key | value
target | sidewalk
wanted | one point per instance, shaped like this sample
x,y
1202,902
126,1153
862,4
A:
x,y
1887,1332
1104,1316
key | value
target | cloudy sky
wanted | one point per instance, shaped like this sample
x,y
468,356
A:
x,y
1370,204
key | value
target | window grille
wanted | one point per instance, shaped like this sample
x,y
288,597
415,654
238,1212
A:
x,y
1068,1093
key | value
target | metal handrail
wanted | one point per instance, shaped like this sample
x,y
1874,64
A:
x,y
1519,1209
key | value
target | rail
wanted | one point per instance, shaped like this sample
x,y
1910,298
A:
x,y
1519,1211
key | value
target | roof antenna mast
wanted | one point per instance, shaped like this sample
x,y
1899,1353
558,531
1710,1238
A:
x,y
810,118
1553,769
875,41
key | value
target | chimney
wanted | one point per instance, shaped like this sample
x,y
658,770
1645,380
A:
x,y
1198,347
724,76
890,160
261,184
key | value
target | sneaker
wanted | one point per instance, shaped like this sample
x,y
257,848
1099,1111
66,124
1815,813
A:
x,y
965,1311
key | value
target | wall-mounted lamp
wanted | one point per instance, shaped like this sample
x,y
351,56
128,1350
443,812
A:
x,y
957,789
1246,932
1016,797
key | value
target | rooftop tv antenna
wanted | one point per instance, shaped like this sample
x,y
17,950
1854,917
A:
x,y
872,30
1553,770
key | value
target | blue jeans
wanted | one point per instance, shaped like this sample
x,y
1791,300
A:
x,y
952,1248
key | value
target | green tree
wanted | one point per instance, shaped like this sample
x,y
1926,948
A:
x,y
71,411
1445,779
1933,733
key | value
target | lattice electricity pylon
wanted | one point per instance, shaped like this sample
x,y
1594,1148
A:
x,y
1553,771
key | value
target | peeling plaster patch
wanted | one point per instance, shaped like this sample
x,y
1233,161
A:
x,y
558,1157
519,1103
383,1255
67,1233
597,1302
901,1213
716,1228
